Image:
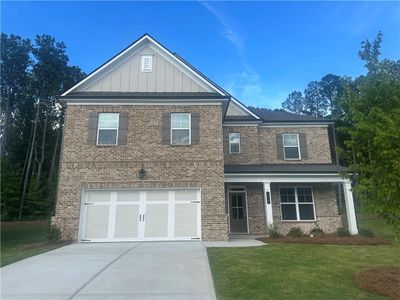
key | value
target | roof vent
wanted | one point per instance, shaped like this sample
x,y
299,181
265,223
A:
x,y
147,63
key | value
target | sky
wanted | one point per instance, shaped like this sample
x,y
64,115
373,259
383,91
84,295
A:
x,y
257,51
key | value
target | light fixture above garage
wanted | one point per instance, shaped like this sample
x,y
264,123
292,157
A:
x,y
142,173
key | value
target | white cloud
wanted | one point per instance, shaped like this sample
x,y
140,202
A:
x,y
227,30
246,84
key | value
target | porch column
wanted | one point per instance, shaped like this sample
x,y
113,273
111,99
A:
x,y
351,213
268,203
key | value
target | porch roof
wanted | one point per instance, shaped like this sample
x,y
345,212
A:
x,y
284,169
286,173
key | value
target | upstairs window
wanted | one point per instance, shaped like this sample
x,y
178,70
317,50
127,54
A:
x,y
234,143
291,146
107,129
297,204
180,129
147,63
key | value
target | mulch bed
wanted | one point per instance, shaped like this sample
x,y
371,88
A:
x,y
382,281
330,239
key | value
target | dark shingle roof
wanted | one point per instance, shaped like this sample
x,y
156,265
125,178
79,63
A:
x,y
282,116
285,168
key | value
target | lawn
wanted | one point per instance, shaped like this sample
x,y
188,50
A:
x,y
20,240
300,271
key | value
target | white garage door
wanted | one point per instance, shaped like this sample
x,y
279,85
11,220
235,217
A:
x,y
140,215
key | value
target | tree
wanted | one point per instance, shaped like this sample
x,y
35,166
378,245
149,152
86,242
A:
x,y
32,76
294,103
315,104
14,62
372,105
332,90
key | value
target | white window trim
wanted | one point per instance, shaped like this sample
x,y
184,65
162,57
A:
x,y
190,129
109,128
229,140
297,204
298,146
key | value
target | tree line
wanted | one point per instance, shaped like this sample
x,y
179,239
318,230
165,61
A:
x,y
366,111
31,123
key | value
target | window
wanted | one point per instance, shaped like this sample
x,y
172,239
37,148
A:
x,y
180,129
147,63
291,146
107,129
234,143
297,204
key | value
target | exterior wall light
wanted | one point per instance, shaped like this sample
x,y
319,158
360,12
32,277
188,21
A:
x,y
142,173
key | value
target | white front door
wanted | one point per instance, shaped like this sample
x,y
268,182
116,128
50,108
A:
x,y
140,215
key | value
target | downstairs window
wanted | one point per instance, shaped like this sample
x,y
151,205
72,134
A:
x,y
297,204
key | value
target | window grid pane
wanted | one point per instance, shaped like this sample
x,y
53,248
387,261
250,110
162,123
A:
x,y
290,140
108,120
107,137
180,121
292,152
297,200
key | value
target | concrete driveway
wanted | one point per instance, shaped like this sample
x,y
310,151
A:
x,y
151,270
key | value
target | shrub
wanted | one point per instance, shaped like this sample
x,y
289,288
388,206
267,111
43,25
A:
x,y
53,233
317,231
273,232
365,232
295,232
341,231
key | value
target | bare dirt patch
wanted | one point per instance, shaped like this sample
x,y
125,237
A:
x,y
382,281
330,239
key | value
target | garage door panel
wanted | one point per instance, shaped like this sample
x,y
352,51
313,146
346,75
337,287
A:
x,y
127,222
156,221
98,196
185,224
185,195
157,195
96,225
125,196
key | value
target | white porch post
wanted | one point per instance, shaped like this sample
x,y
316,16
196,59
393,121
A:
x,y
268,203
351,214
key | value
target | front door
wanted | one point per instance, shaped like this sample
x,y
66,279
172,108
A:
x,y
238,212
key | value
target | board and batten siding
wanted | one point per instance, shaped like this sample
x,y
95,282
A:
x,y
128,77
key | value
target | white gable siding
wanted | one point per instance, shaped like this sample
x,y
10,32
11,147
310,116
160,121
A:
x,y
128,77
235,110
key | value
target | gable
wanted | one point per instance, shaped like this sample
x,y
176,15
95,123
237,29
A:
x,y
123,73
165,76
236,109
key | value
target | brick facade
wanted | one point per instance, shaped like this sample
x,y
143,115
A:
x,y
114,167
85,166
258,145
327,215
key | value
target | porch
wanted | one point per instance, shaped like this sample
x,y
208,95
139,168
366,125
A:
x,y
257,198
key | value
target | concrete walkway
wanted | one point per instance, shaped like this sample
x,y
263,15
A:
x,y
233,243
152,270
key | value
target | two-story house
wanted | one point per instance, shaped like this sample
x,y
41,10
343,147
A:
x,y
154,150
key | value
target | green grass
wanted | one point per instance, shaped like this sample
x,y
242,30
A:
x,y
378,226
20,240
300,271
